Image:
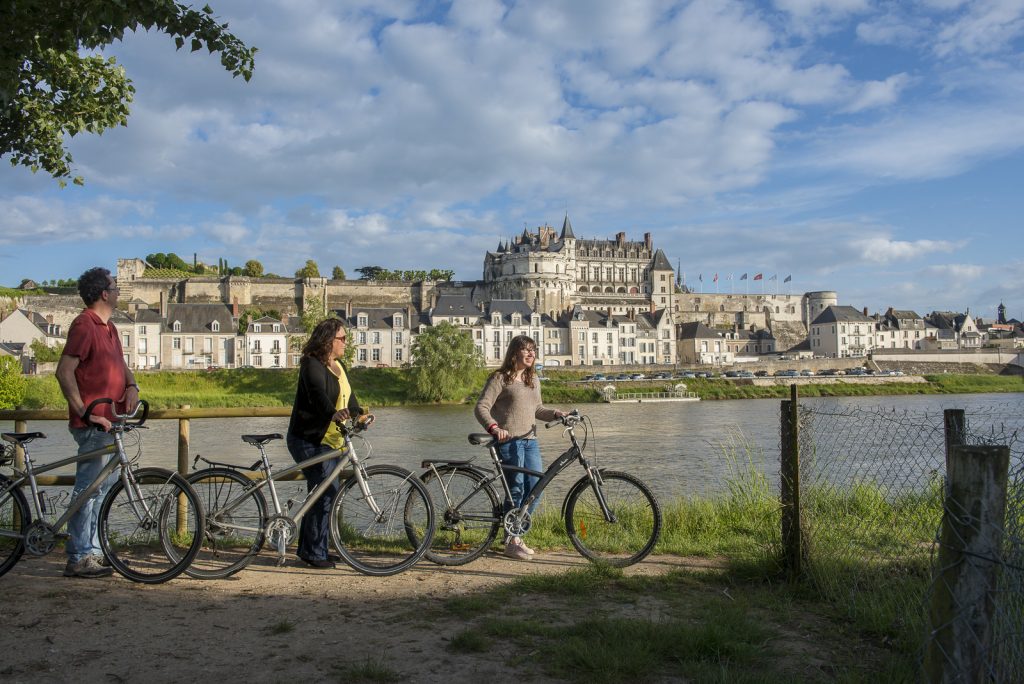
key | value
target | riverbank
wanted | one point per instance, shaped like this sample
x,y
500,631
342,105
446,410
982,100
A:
x,y
248,387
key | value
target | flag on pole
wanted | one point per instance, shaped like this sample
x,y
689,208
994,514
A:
x,y
787,279
716,278
743,277
700,277
773,276
758,276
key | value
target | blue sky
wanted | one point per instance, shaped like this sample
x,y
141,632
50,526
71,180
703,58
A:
x,y
874,148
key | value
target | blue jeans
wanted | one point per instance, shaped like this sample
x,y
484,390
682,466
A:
x,y
316,523
83,527
522,453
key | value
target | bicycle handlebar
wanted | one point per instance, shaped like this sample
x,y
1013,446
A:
x,y
569,419
357,424
123,417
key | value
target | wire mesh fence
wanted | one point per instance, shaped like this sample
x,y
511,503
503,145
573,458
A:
x,y
872,485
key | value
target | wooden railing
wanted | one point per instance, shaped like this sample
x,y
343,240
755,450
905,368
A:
x,y
184,416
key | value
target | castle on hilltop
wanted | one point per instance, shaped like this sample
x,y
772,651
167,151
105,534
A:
x,y
556,271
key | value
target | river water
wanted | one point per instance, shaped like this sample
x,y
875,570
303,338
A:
x,y
677,448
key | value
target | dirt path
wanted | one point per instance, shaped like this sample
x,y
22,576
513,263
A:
x,y
56,629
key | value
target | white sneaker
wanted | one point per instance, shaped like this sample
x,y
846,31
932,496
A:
x,y
514,549
526,548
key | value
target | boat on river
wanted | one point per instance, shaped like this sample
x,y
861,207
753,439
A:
x,y
610,394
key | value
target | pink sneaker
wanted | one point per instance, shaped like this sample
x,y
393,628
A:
x,y
514,549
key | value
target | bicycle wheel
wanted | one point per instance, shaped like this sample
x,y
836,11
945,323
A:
x,y
467,527
152,529
233,534
14,520
637,523
390,538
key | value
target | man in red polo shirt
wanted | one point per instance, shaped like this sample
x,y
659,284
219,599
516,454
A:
x,y
93,367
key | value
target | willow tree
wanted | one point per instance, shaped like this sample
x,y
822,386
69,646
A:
x,y
55,83
445,362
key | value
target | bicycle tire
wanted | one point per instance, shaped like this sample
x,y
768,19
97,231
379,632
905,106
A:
x,y
467,528
15,517
136,540
232,538
624,542
388,542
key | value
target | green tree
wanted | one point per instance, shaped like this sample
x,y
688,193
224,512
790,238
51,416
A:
x,y
12,383
370,272
337,273
51,87
43,353
310,270
444,363
253,268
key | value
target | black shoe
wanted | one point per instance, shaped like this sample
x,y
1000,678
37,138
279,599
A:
x,y
334,558
318,563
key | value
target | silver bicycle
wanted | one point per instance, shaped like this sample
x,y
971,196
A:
x,y
382,520
150,521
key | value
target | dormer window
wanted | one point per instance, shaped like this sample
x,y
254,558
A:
x,y
535,320
399,320
256,327
277,327
215,326
176,326
495,319
361,320
517,319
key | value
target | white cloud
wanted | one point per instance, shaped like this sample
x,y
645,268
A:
x,y
874,94
884,250
987,27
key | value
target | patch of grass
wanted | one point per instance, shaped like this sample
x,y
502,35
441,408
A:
x,y
367,670
469,641
467,606
281,627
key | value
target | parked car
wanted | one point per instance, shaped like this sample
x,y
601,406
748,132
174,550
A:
x,y
806,372
827,371
599,377
788,373
638,376
856,371
686,374
744,374
731,374
661,376
761,374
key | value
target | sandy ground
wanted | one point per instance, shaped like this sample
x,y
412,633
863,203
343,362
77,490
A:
x,y
56,629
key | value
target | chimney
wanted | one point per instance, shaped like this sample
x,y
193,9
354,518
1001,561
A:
x,y
163,305
647,240
654,308
234,307
620,238
865,311
348,310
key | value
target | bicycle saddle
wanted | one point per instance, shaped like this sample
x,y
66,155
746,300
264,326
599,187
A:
x,y
22,437
261,439
479,438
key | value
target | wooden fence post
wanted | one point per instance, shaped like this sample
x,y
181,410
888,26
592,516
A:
x,y
183,444
789,471
961,607
955,426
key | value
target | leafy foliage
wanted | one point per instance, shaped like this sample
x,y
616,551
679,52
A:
x,y
253,268
411,276
49,88
169,260
12,383
445,362
337,273
310,270
44,353
254,313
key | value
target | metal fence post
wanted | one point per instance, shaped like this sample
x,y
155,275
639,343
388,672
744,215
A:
x,y
789,472
968,566
19,453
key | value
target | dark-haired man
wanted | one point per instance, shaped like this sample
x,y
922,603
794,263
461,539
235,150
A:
x,y
93,367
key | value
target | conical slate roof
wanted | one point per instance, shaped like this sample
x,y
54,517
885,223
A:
x,y
567,229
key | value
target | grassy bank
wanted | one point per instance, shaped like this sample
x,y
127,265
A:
x,y
390,387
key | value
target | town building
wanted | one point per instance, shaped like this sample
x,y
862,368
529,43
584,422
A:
x,y
841,332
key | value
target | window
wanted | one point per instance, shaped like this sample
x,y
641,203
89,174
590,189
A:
x,y
142,330
142,345
126,340
362,339
583,336
176,327
595,352
398,354
276,349
215,326
593,337
256,327
207,345
399,320
609,337
362,355
175,343
256,346
257,360
662,280
376,354
399,338
361,320
583,351
277,327
375,337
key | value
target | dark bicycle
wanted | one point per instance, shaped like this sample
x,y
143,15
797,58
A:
x,y
611,517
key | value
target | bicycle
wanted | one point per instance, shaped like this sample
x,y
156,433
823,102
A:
x,y
610,516
375,515
144,513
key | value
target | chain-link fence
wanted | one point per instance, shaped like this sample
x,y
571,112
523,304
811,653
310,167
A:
x,y
871,492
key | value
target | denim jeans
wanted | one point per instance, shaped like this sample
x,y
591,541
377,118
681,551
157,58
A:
x,y
316,523
522,453
83,527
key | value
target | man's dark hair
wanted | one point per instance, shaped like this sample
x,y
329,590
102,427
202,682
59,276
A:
x,y
92,283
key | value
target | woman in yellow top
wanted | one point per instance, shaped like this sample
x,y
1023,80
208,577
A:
x,y
322,397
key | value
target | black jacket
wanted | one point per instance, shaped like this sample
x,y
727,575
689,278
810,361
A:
x,y
315,400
